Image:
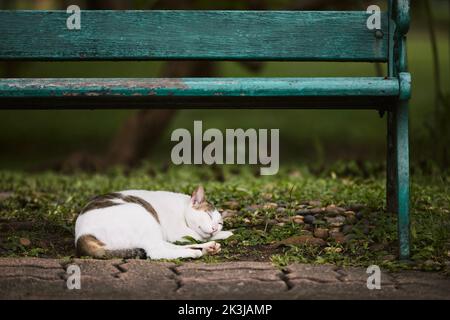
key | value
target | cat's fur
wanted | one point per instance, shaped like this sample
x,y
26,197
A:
x,y
147,223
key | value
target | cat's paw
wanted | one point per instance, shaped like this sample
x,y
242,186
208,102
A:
x,y
222,235
194,254
211,248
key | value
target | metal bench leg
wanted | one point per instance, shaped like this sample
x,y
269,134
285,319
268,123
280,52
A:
x,y
400,126
391,177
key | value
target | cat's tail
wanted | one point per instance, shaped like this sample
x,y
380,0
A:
x,y
90,246
126,254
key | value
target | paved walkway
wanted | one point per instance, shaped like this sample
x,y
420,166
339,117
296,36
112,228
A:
x,y
28,278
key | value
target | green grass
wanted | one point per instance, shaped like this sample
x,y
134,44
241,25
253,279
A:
x,y
52,201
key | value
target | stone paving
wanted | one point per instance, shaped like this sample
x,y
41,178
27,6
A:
x,y
29,278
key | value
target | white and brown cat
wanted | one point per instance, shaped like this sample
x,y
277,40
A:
x,y
128,223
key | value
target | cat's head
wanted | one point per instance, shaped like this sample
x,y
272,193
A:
x,y
202,216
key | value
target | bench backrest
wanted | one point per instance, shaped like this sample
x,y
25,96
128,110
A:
x,y
180,35
208,35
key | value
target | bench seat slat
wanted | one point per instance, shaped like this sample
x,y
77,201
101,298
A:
x,y
187,35
227,92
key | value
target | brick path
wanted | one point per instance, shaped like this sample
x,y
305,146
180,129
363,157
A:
x,y
28,278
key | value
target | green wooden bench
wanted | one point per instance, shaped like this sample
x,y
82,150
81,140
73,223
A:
x,y
223,35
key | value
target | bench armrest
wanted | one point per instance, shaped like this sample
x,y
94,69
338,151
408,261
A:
x,y
405,86
402,16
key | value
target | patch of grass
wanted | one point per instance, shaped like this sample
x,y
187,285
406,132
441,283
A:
x,y
42,208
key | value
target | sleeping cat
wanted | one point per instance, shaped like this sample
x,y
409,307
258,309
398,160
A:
x,y
129,223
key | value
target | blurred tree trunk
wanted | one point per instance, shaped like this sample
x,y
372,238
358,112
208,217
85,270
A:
x,y
143,129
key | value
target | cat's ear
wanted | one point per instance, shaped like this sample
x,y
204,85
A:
x,y
198,196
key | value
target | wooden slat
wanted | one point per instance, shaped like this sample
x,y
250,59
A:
x,y
179,35
198,92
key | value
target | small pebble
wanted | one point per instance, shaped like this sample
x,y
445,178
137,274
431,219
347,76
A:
x,y
25,242
319,222
270,206
233,205
351,216
336,221
335,230
253,208
339,237
315,211
347,229
298,219
281,210
315,203
333,250
273,221
321,233
331,209
229,214
303,212
283,204
309,219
